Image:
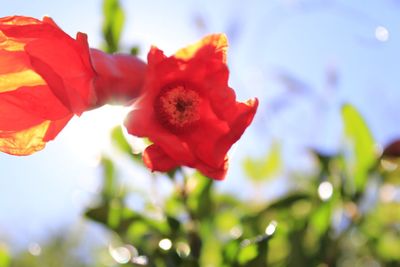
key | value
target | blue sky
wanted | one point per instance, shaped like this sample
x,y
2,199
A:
x,y
273,44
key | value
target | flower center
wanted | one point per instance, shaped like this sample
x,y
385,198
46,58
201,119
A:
x,y
177,107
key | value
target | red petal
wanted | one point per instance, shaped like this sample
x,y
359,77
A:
x,y
193,64
203,140
63,71
241,120
54,53
143,123
55,127
155,56
50,21
26,106
12,118
212,172
156,159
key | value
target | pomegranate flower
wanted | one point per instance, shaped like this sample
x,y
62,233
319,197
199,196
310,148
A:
x,y
188,110
46,77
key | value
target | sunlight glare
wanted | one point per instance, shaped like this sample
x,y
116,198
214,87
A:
x,y
89,135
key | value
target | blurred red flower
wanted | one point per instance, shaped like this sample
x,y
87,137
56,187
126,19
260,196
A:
x,y
46,77
188,110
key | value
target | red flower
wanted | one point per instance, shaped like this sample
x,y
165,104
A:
x,y
188,110
46,77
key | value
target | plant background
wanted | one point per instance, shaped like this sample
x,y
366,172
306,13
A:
x,y
304,60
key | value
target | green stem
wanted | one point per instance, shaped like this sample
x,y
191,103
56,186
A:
x,y
193,236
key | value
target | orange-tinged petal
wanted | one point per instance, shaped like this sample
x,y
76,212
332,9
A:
x,y
46,77
24,142
63,62
13,61
12,81
8,44
19,20
216,42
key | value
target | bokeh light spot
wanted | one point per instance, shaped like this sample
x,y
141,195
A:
x,y
325,190
381,34
165,244
34,249
120,254
270,230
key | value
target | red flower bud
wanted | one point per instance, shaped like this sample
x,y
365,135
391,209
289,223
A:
x,y
188,110
46,77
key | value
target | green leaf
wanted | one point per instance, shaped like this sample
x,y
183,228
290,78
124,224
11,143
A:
x,y
247,253
211,249
230,251
174,224
363,145
288,200
114,19
114,213
200,199
388,246
119,218
266,167
119,140
254,251
321,218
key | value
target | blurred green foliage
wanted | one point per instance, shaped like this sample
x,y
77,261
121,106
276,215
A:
x,y
60,251
362,146
322,223
267,166
114,19
4,256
